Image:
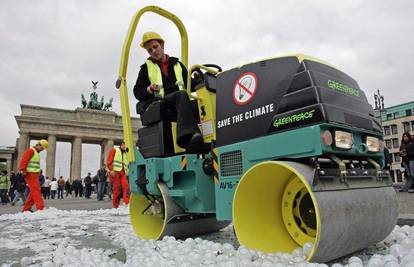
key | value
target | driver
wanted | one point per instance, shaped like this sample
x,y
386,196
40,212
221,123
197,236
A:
x,y
165,78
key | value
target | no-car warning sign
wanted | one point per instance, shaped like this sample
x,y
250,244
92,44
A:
x,y
245,88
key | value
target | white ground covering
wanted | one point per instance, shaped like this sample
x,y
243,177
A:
x,y
105,238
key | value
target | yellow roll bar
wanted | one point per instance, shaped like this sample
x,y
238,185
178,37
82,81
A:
x,y
121,82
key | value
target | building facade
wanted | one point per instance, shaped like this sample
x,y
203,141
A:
x,y
79,126
395,121
7,158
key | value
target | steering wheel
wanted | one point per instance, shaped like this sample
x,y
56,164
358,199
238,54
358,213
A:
x,y
200,74
217,67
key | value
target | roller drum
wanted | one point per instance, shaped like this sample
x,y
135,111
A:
x,y
168,219
275,209
354,219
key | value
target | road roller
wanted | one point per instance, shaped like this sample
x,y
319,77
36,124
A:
x,y
292,156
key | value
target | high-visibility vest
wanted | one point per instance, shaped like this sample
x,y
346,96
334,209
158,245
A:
x,y
34,162
155,77
119,160
4,182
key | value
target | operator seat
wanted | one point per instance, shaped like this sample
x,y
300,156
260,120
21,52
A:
x,y
155,139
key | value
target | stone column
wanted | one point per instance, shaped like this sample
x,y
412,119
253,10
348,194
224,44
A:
x,y
15,165
105,148
51,156
71,160
76,159
9,166
103,159
15,155
22,145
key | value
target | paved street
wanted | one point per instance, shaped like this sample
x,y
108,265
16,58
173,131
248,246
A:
x,y
406,202
406,208
65,204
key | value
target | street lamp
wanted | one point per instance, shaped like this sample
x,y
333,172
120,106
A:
x,y
379,104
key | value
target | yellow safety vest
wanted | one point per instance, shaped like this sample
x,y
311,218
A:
x,y
34,162
119,160
154,75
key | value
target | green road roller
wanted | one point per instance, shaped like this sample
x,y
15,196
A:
x,y
293,155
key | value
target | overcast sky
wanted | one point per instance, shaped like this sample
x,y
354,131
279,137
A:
x,y
51,50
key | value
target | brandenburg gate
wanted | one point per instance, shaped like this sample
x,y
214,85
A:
x,y
79,126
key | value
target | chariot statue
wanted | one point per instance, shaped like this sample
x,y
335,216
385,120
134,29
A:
x,y
93,102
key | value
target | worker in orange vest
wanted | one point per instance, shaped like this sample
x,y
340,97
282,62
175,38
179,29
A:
x,y
30,168
117,166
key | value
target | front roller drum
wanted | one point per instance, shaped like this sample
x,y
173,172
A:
x,y
276,210
165,217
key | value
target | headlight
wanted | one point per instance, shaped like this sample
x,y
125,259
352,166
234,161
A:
x,y
373,144
343,140
326,138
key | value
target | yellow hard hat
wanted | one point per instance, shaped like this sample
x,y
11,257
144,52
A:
x,y
148,36
43,143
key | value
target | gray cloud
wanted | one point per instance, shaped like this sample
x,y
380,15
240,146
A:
x,y
50,50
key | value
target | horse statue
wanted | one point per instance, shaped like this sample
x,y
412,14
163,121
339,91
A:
x,y
108,105
83,101
89,106
101,104
93,101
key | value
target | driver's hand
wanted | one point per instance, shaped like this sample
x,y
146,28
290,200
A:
x,y
153,88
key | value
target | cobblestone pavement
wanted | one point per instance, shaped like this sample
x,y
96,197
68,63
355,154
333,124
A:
x,y
406,202
406,208
69,203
